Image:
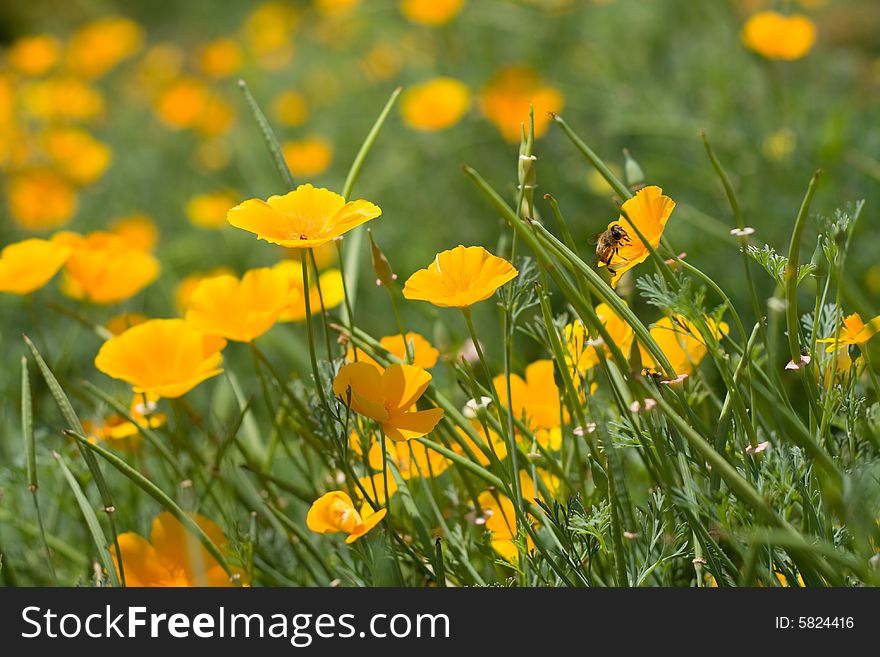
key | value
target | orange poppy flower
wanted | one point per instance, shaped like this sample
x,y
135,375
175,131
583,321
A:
x,y
506,99
583,353
172,556
28,265
681,343
431,12
138,231
435,105
161,357
854,331
497,444
238,309
304,218
34,55
40,199
649,210
102,44
334,512
411,458
76,153
776,36
424,355
388,397
459,278
536,399
183,291
309,157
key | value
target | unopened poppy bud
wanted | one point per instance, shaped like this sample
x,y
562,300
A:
x,y
384,275
635,177
818,261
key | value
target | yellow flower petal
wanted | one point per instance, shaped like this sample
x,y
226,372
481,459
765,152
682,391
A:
x,y
28,265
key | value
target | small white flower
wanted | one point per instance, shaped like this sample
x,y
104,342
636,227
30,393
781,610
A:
x,y
742,232
472,407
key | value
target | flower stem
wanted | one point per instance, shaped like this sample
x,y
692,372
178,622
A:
x,y
310,333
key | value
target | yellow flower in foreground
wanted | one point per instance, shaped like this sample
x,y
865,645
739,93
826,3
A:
x,y
431,12
411,458
102,44
304,218
329,282
161,357
172,556
220,58
854,331
536,399
309,157
334,512
40,199
424,355
649,210
209,210
583,353
681,343
435,105
104,268
138,231
459,278
509,94
388,397
77,154
238,309
34,55
28,265
776,36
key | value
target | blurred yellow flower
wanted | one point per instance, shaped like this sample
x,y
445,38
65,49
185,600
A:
x,y
777,36
76,153
506,98
584,353
411,458
431,12
304,218
101,45
435,105
122,432
268,31
496,444
209,210
160,65
123,321
238,309
336,7
40,199
220,58
459,278
34,55
309,157
382,62
500,520
649,210
216,118
681,343
424,355
188,103
329,282
535,399
138,230
388,397
375,487
172,557
290,108
28,265
183,291
161,357
334,512
853,332
104,268
62,99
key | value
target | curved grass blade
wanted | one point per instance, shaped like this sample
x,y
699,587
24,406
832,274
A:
x,y
268,135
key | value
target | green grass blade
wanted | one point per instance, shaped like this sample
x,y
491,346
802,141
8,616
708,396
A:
x,y
268,136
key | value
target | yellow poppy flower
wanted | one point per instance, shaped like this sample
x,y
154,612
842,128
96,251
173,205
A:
x,y
124,321
268,33
435,105
334,512
122,432
183,291
220,58
584,354
495,443
104,268
681,343
424,355
172,556
138,230
28,265
536,399
500,520
34,55
853,331
77,154
40,199
649,210
238,309
776,36
102,44
309,157
304,218
182,103
388,397
329,282
62,98
411,458
290,108
375,487
431,12
161,357
209,210
459,278
506,99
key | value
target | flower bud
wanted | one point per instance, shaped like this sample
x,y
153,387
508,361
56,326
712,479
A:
x,y
384,275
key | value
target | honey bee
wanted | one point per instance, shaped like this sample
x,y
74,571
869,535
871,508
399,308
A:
x,y
608,243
